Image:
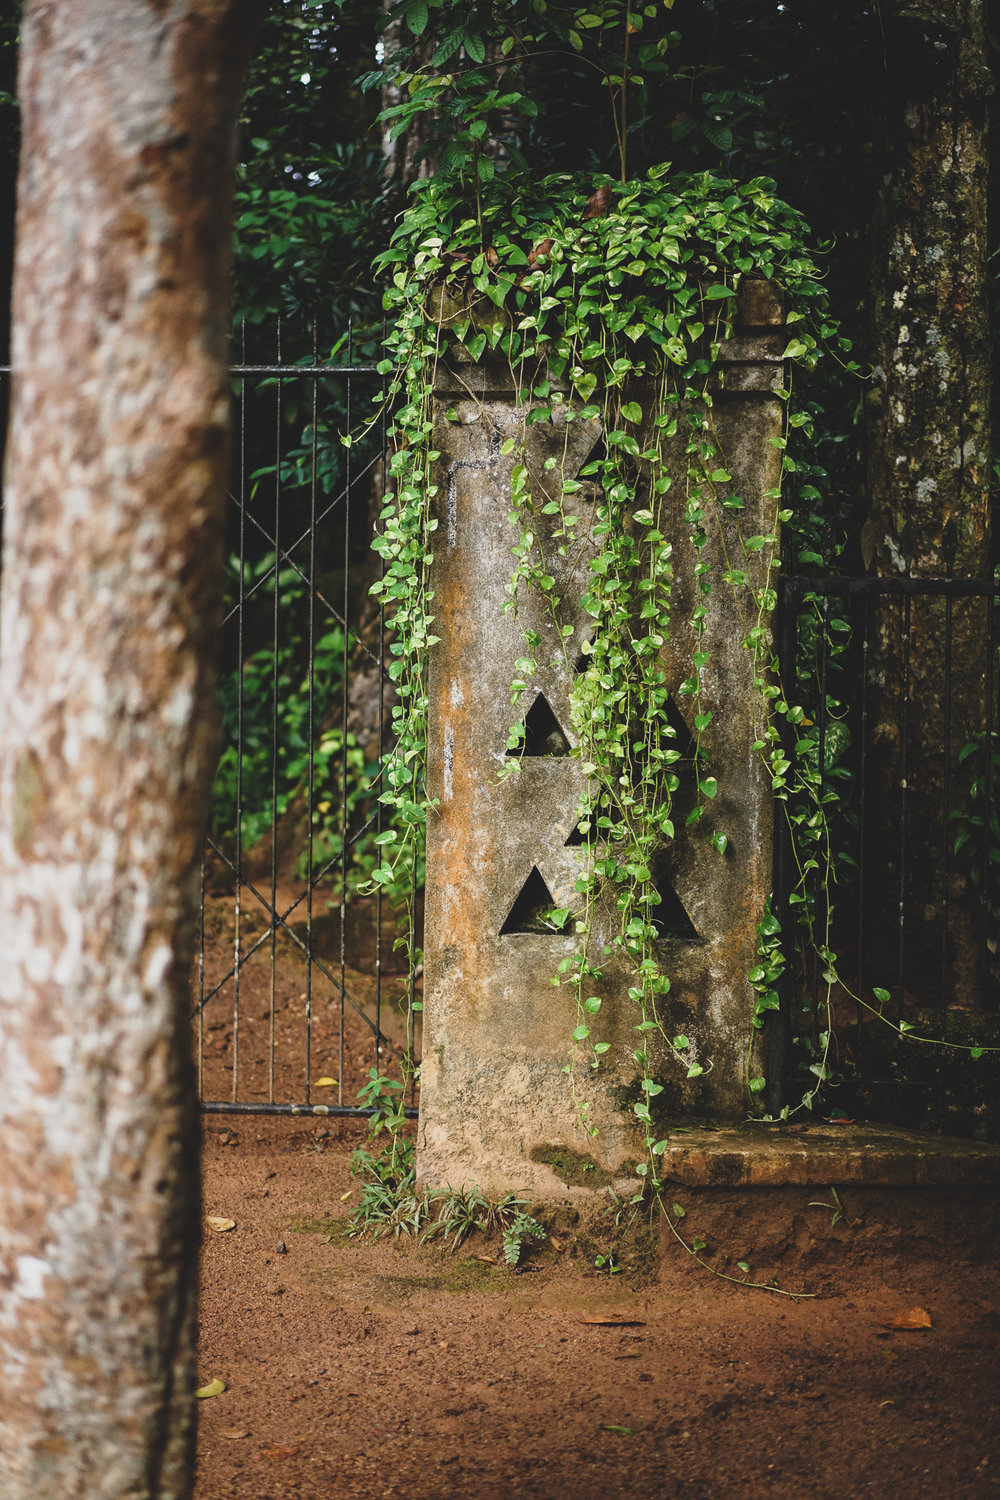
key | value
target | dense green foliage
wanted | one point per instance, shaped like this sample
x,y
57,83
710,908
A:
x,y
309,188
743,90
598,310
572,279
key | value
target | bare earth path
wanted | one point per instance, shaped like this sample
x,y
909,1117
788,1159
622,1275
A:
x,y
364,1371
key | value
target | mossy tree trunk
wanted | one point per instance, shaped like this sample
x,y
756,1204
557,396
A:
x,y
115,481
929,474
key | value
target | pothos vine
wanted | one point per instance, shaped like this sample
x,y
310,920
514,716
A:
x,y
612,302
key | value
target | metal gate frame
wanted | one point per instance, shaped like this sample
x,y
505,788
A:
x,y
297,548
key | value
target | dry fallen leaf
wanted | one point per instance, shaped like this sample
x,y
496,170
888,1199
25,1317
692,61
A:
x,y
541,249
344,1196
214,1388
281,1450
598,203
615,1322
489,1260
913,1317
219,1225
326,1083
558,1245
235,1432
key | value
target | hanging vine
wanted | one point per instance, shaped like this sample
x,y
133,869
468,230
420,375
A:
x,y
610,301
613,302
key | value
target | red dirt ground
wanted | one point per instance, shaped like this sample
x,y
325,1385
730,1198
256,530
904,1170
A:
x,y
290,1026
359,1371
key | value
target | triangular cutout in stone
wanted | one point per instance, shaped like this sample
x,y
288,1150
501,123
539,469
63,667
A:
x,y
543,733
583,660
684,742
588,469
532,900
576,839
668,914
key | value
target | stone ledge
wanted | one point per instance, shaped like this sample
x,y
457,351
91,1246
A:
x,y
860,1154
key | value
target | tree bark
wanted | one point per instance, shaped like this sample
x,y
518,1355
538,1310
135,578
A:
x,y
929,475
115,477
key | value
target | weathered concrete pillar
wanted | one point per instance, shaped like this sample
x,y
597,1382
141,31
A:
x,y
496,1103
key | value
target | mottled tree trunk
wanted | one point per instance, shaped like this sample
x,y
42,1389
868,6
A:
x,y
929,474
115,477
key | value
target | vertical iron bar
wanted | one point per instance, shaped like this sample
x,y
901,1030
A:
x,y
863,779
779,1030
201,982
381,751
411,917
311,720
240,594
824,664
822,917
344,706
990,767
946,794
275,677
903,773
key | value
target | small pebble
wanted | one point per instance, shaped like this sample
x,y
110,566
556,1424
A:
x,y
281,1248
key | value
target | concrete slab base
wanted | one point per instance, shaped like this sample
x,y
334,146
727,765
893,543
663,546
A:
x,y
824,1207
859,1154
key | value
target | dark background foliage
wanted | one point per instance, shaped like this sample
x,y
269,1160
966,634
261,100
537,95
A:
x,y
746,88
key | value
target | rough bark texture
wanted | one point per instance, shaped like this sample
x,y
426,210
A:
x,y
929,473
929,417
115,477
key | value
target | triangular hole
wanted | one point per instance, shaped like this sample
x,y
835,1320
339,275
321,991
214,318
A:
x,y
668,915
533,899
583,660
685,739
589,472
543,733
576,838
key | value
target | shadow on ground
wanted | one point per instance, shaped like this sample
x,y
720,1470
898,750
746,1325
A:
x,y
359,1371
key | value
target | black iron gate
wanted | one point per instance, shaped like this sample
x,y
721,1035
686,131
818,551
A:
x,y
298,988
898,680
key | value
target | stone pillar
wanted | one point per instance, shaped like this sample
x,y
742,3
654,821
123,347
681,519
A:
x,y
496,1104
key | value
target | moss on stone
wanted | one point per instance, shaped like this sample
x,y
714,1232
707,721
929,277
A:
x,y
574,1168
